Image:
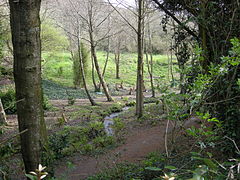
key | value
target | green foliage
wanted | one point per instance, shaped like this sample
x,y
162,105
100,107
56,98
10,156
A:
x,y
7,150
5,71
46,103
118,126
103,141
127,68
77,75
117,107
84,139
71,100
205,131
56,91
121,171
52,38
130,103
53,62
8,99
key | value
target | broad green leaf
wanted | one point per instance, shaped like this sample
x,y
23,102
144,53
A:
x,y
170,167
153,168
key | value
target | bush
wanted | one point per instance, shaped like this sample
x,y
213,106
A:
x,y
46,104
116,108
8,99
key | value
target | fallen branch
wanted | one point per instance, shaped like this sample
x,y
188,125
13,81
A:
x,y
6,140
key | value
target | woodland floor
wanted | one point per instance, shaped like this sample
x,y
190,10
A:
x,y
139,142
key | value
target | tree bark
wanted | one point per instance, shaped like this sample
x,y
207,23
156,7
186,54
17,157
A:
x,y
25,27
150,72
139,90
102,81
93,103
150,64
96,88
117,61
107,58
2,114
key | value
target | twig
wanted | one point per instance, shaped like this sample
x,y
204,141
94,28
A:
x,y
4,141
166,132
3,174
166,148
216,102
233,143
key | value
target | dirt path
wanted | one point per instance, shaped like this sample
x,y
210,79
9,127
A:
x,y
138,144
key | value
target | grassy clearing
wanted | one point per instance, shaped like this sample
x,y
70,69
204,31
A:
x,y
58,68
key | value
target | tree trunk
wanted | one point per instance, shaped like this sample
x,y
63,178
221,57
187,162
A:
x,y
2,114
150,64
117,60
25,27
150,70
102,81
93,103
96,88
139,90
107,58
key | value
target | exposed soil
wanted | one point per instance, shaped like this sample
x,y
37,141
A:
x,y
138,144
140,141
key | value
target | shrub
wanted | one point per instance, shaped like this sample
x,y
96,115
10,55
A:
x,y
8,99
116,108
46,104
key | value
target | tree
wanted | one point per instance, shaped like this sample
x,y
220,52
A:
x,y
90,16
149,52
78,81
211,24
80,57
79,54
52,38
139,93
25,28
117,56
139,31
93,47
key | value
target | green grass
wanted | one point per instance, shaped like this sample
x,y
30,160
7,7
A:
x,y
58,68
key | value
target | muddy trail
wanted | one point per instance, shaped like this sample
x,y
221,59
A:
x,y
139,143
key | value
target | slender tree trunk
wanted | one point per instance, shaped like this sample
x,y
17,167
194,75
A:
x,y
117,61
203,35
102,81
150,64
2,114
93,103
107,58
97,89
150,69
151,76
25,27
139,90
171,62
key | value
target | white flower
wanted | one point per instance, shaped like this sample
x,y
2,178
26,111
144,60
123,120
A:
x,y
33,173
41,168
